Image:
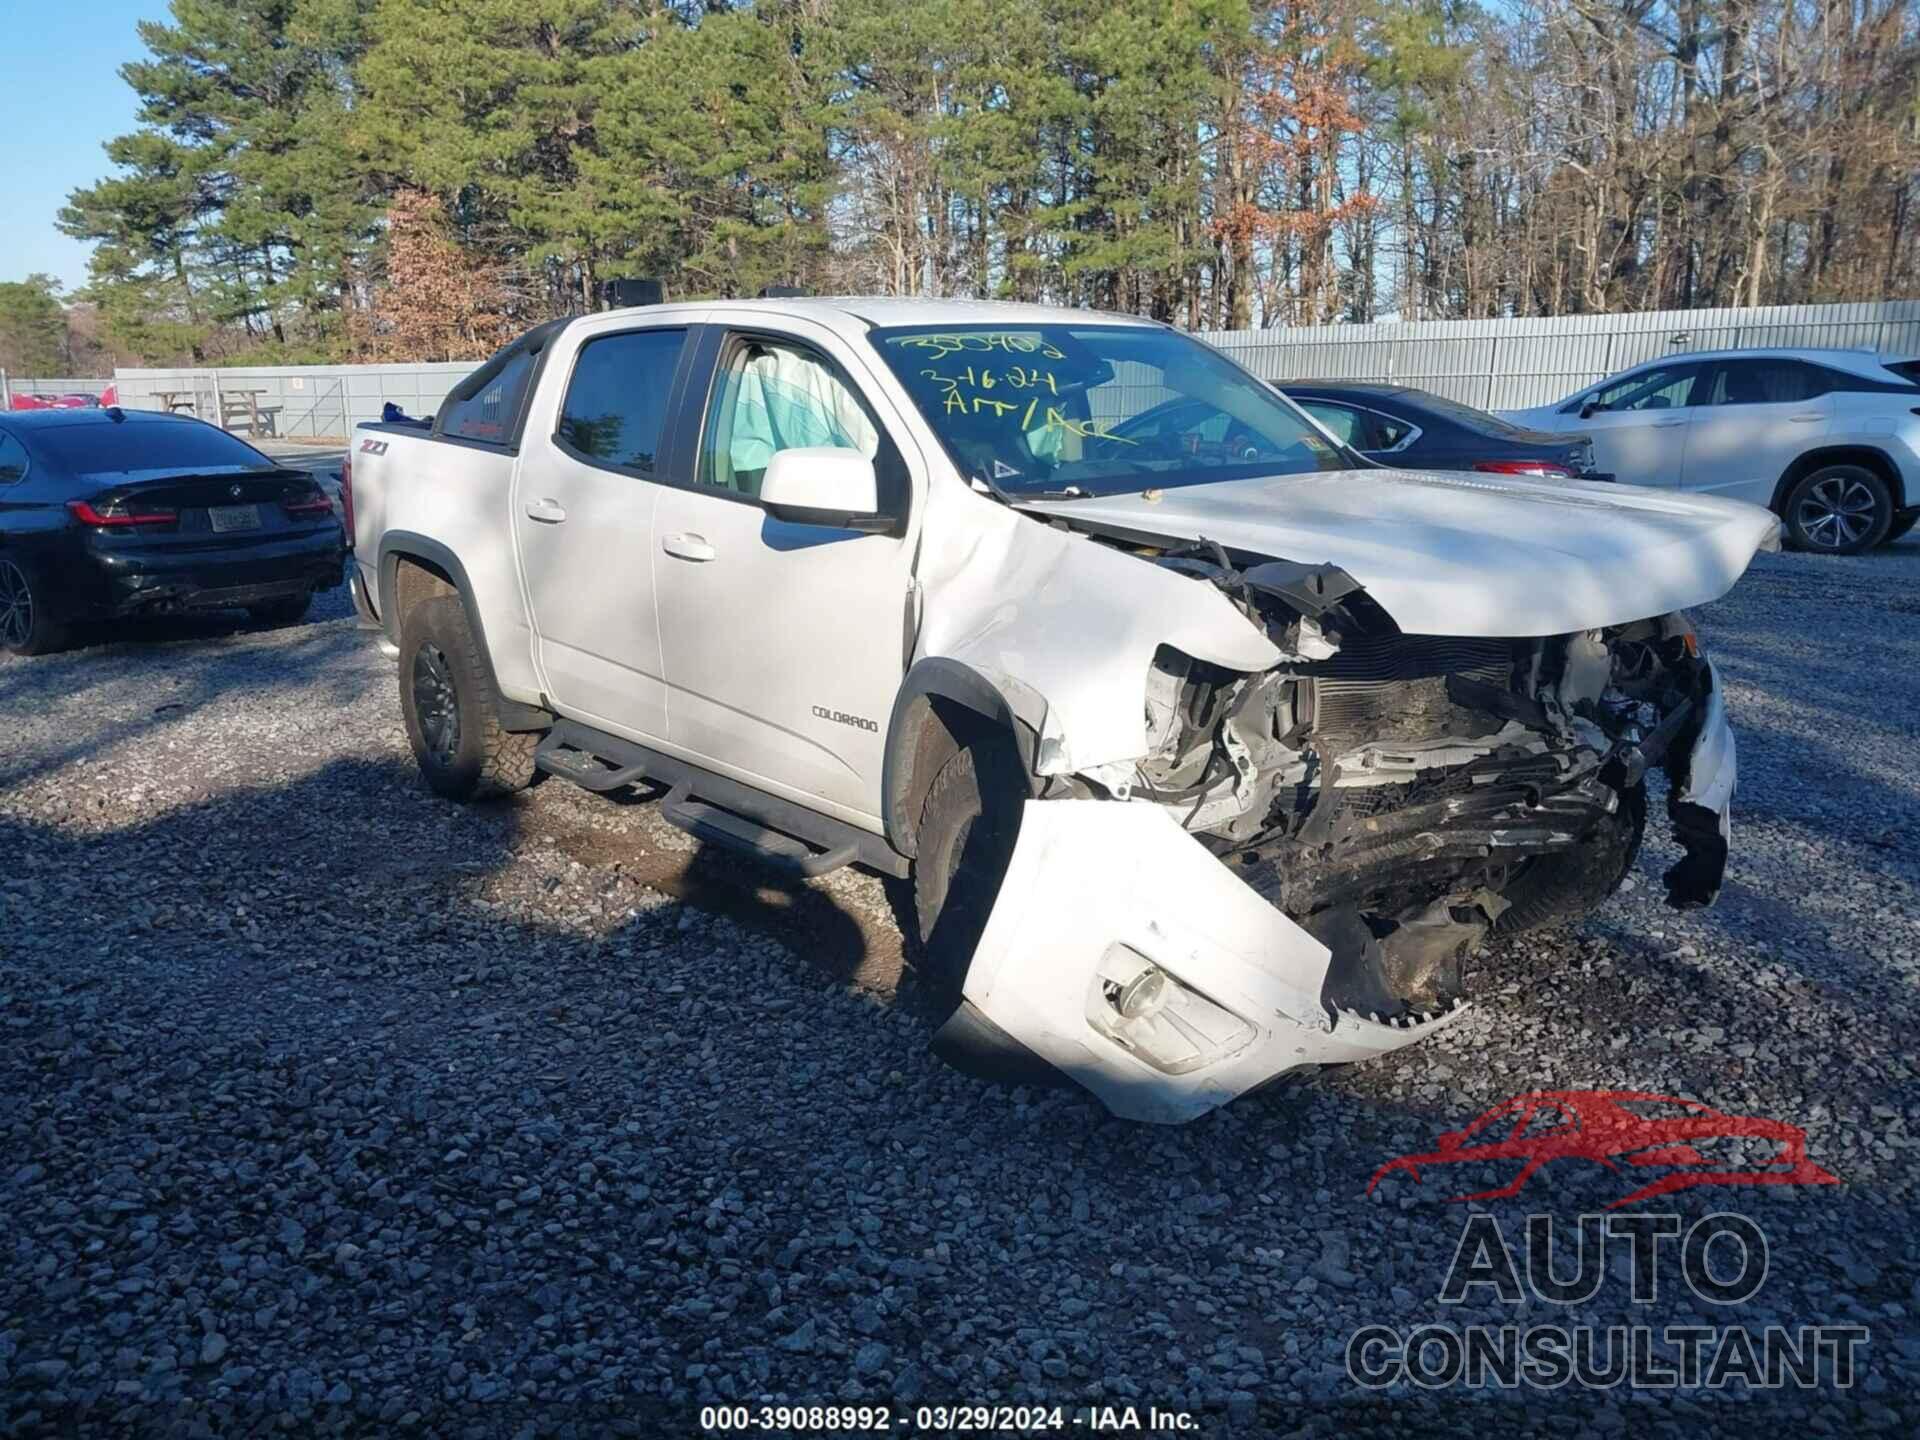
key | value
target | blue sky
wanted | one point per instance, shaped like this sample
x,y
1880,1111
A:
x,y
61,98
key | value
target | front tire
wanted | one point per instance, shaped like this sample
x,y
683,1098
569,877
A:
x,y
1838,510
448,702
27,626
967,833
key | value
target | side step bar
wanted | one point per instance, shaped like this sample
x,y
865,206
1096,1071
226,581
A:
x,y
713,808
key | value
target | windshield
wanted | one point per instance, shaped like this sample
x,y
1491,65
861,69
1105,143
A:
x,y
1071,410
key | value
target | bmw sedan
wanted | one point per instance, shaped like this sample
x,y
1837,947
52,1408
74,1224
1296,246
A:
x,y
112,513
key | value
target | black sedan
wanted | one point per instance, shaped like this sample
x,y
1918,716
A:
x,y
1417,430
107,513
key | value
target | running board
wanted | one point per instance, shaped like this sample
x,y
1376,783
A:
x,y
736,832
713,808
583,767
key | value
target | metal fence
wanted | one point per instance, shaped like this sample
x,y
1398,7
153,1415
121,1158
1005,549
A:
x,y
1497,364
292,401
1507,364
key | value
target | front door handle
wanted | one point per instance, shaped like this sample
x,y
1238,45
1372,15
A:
x,y
688,547
1667,424
547,512
1805,419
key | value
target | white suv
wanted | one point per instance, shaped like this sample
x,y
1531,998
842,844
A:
x,y
1829,440
1210,748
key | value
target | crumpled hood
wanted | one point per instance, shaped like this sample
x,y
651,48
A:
x,y
1448,553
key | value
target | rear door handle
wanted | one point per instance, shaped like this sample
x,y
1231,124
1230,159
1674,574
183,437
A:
x,y
688,547
1667,424
547,512
1805,419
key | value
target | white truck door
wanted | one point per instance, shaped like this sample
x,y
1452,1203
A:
x,y
1759,416
583,517
784,643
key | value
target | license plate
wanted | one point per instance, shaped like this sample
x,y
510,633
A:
x,y
234,517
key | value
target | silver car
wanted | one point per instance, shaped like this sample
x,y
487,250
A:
x,y
1829,440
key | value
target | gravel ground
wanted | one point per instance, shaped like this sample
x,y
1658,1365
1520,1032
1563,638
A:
x,y
335,1107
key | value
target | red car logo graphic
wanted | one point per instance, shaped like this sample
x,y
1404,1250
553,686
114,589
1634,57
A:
x,y
1623,1130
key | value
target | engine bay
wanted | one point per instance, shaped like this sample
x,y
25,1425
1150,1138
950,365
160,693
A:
x,y
1402,796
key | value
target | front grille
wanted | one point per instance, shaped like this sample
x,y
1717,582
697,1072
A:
x,y
1394,689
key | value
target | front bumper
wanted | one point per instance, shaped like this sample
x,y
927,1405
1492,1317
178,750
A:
x,y
1106,904
1126,957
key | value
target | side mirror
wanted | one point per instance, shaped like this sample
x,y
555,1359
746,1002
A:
x,y
1590,409
822,485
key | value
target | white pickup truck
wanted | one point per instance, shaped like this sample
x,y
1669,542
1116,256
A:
x,y
1209,745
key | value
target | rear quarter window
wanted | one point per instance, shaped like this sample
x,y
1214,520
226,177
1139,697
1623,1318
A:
x,y
13,460
490,413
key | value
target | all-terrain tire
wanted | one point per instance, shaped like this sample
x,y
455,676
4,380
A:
x,y
967,833
1557,889
448,701
290,610
1838,510
27,626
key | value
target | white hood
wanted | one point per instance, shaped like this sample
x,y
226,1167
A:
x,y
1468,554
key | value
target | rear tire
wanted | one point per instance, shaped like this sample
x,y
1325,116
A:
x,y
1838,510
288,611
448,701
26,625
967,833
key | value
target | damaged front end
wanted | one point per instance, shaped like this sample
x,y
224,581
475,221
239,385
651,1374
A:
x,y
1304,855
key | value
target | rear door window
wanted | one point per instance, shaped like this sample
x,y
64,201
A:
x,y
616,406
1768,382
1340,421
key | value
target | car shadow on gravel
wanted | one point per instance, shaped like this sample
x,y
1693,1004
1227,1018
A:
x,y
338,1107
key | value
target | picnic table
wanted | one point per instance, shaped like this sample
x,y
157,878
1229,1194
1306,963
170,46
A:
x,y
174,401
244,406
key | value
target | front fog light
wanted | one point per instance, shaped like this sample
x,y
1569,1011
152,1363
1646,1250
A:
x,y
1148,1012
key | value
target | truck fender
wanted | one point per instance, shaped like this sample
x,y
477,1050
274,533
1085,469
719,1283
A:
x,y
397,545
940,702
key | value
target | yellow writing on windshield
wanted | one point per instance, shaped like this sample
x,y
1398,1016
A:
x,y
938,347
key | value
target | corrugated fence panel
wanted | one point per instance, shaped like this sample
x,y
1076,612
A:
x,y
1511,364
1498,364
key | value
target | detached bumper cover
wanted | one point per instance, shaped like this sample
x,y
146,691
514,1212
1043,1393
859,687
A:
x,y
1700,801
1130,960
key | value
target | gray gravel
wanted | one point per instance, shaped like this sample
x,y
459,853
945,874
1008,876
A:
x,y
335,1107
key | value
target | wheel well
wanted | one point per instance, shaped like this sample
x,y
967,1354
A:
x,y
1863,456
415,580
935,728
